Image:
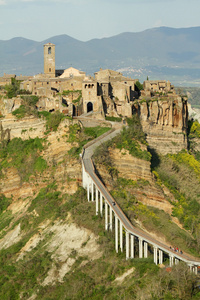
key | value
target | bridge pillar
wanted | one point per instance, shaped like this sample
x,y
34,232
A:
x,y
101,204
190,266
176,261
132,246
110,218
155,252
92,190
160,257
97,200
195,270
106,215
121,235
88,188
127,245
140,248
145,249
116,233
171,260
84,176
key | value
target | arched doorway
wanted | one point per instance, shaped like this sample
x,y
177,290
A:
x,y
74,111
89,107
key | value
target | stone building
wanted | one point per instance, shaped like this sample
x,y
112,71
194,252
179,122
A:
x,y
108,93
7,78
158,86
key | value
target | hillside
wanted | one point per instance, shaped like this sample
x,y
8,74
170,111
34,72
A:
x,y
54,246
135,54
193,94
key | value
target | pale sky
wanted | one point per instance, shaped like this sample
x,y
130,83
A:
x,y
87,19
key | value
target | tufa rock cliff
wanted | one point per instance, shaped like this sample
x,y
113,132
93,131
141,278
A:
x,y
165,123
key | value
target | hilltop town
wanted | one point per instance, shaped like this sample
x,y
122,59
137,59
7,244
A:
x,y
89,165
108,95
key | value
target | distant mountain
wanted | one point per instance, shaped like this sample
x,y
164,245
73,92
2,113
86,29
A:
x,y
164,53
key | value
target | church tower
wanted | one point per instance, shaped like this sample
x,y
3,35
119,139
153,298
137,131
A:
x,y
49,59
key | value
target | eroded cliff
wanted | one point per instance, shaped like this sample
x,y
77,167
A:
x,y
165,123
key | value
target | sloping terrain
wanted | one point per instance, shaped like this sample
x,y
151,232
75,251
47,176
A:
x,y
53,246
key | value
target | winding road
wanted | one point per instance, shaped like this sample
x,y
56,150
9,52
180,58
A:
x,y
88,168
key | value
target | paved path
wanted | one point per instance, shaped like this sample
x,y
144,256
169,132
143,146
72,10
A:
x,y
87,160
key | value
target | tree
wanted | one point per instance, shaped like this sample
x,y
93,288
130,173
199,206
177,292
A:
x,y
139,85
13,88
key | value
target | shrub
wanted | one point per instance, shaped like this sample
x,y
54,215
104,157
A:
x,y
28,107
23,155
54,119
13,88
139,85
20,112
83,135
4,203
129,137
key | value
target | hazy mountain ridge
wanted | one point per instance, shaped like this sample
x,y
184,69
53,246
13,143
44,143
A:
x,y
160,52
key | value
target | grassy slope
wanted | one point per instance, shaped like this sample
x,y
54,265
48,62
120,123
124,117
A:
x,y
153,219
95,280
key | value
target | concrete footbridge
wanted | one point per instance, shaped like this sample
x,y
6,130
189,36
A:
x,y
116,220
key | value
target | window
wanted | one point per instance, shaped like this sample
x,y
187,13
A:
x,y
49,50
49,69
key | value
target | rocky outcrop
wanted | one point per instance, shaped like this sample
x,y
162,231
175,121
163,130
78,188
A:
x,y
129,166
9,105
165,123
65,170
133,168
28,127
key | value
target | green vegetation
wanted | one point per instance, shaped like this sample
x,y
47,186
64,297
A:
x,y
5,215
52,119
180,173
95,279
77,100
139,85
194,129
4,203
74,93
13,89
67,92
28,107
81,136
153,219
130,139
24,156
113,119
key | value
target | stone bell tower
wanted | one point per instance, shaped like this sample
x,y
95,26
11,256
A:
x,y
49,59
